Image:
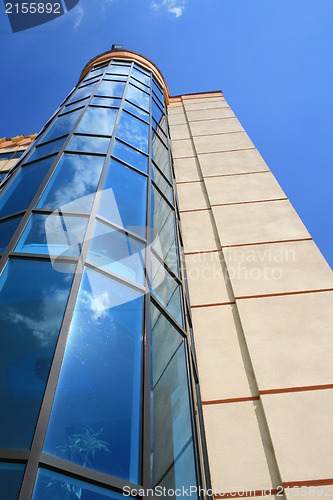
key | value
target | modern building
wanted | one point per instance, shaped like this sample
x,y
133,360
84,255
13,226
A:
x,y
165,317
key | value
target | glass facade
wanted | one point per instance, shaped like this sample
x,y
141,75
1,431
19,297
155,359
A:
x,y
96,360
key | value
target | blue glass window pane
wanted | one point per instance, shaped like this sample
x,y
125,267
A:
x,y
123,199
88,144
110,102
33,297
133,131
7,229
117,253
47,149
159,116
139,75
95,420
22,188
111,89
136,111
18,154
118,70
93,74
166,289
2,175
138,97
82,93
130,156
164,228
162,184
6,156
159,131
158,91
98,121
115,78
161,156
57,235
11,476
91,82
62,126
73,185
173,464
54,486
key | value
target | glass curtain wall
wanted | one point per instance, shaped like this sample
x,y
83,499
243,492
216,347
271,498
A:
x,y
95,378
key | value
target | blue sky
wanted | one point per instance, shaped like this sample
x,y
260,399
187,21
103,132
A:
x,y
273,60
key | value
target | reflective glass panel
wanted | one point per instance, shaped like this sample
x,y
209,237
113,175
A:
x,y
88,144
133,131
136,111
73,185
161,156
47,149
164,227
2,176
118,70
140,85
159,116
22,188
115,78
6,156
162,184
111,89
33,297
166,289
93,74
158,91
62,125
82,93
158,130
53,486
95,420
123,199
11,476
117,253
98,121
110,102
173,464
7,229
91,82
54,234
138,97
139,75
130,156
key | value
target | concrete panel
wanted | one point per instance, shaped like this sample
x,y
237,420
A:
x,y
177,119
301,428
258,222
222,142
209,114
186,170
175,109
206,280
222,126
224,367
191,196
179,132
205,104
207,98
277,268
198,232
182,148
240,188
290,339
239,452
232,162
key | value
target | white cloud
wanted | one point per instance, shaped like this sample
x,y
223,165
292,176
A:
x,y
79,15
175,7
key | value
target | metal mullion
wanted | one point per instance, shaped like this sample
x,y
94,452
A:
x,y
85,153
11,216
146,398
114,276
84,474
120,229
163,196
16,236
137,117
57,213
42,256
46,406
10,455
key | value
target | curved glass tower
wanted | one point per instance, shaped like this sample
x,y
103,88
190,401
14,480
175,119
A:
x,y
96,366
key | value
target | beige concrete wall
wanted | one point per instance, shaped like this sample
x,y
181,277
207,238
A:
x,y
261,298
